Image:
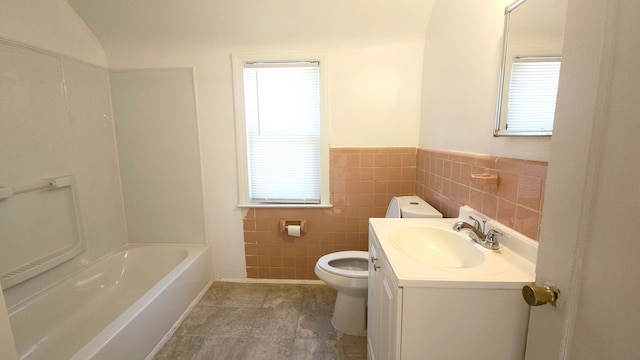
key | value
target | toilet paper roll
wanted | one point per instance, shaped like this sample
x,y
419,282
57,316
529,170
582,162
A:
x,y
293,230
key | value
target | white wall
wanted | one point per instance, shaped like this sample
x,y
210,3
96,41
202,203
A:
x,y
51,25
462,59
374,88
375,94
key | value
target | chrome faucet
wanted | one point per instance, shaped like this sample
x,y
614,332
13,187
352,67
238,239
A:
x,y
488,240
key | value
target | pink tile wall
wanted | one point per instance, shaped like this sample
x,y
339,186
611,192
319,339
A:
x,y
362,182
443,178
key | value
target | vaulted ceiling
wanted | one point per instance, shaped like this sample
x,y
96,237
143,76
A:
x,y
250,22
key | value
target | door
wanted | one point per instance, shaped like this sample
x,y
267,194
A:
x,y
589,246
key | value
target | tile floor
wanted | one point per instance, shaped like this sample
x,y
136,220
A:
x,y
263,321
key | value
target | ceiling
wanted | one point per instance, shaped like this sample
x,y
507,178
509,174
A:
x,y
249,22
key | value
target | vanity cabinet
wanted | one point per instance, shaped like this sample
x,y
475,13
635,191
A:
x,y
439,320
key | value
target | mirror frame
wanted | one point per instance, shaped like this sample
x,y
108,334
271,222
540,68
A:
x,y
497,131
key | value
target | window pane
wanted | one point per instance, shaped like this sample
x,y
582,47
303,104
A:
x,y
285,169
532,95
282,109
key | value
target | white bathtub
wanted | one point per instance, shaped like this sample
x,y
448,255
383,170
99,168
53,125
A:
x,y
120,307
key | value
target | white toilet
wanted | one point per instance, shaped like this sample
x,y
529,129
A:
x,y
348,271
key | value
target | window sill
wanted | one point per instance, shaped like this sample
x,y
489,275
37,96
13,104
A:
x,y
500,133
286,206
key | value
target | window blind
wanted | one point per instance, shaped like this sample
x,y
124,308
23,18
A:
x,y
282,114
532,94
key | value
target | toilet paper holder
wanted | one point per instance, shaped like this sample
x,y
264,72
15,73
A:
x,y
284,224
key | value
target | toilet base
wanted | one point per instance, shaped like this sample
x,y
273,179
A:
x,y
350,315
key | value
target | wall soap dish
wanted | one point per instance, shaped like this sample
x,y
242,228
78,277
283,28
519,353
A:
x,y
485,178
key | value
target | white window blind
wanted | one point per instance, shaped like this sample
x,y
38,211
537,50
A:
x,y
532,94
282,114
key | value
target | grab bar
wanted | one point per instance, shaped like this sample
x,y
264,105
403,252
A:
x,y
47,184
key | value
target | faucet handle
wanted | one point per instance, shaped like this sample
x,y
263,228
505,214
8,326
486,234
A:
x,y
476,223
491,241
492,234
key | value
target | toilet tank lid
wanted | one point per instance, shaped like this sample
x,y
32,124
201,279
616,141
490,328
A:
x,y
415,207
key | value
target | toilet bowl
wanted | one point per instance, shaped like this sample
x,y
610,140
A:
x,y
347,271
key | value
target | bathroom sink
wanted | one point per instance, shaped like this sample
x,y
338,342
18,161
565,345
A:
x,y
438,247
428,253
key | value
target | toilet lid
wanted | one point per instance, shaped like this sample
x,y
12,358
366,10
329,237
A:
x,y
323,263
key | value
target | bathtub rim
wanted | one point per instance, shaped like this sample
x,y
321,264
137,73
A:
x,y
82,264
109,332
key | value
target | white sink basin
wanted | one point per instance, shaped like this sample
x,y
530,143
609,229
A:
x,y
429,253
438,247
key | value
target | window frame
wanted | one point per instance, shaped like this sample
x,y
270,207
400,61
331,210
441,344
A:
x,y
238,61
528,60
504,100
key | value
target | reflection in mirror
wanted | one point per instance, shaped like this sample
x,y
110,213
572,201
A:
x,y
532,51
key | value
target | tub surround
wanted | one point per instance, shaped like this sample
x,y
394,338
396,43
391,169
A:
x,y
80,128
59,131
163,199
73,133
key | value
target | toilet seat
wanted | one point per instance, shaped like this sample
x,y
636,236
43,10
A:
x,y
323,263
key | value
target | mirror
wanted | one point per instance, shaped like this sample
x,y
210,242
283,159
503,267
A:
x,y
531,58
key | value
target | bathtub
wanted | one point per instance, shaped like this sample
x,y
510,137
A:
x,y
120,307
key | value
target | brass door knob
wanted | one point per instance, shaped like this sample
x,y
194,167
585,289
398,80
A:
x,y
540,295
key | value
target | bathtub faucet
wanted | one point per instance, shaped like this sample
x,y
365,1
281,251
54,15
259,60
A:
x,y
488,240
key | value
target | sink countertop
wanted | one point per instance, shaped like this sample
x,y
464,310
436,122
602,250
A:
x,y
501,269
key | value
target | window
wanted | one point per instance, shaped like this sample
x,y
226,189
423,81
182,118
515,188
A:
x,y
532,94
280,124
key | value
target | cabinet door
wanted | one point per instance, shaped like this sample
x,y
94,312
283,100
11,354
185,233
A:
x,y
373,311
383,308
389,303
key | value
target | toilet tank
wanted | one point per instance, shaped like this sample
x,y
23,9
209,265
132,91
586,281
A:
x,y
411,207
